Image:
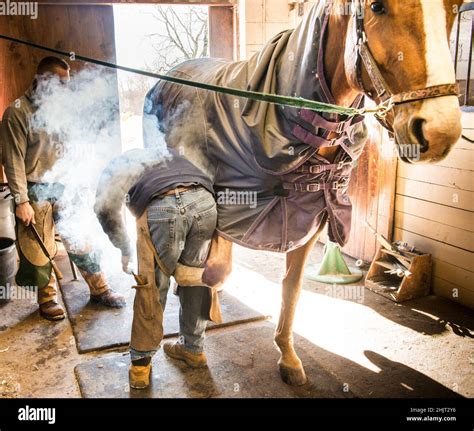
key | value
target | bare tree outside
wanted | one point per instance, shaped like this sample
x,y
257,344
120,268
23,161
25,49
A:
x,y
132,90
155,38
182,35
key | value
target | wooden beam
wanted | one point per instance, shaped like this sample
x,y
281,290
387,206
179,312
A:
x,y
111,2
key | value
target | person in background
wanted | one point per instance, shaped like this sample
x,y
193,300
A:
x,y
28,154
176,214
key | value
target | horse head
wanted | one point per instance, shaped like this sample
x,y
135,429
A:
x,y
404,47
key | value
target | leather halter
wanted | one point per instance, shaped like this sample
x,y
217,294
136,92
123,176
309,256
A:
x,y
358,52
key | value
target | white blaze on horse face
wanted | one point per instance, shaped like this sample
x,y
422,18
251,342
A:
x,y
441,116
439,64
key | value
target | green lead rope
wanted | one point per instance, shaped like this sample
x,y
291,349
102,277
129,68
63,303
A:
x,y
295,102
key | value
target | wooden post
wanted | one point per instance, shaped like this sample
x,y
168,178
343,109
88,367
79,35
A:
x,y
221,32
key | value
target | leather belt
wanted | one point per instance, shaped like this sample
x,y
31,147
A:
x,y
178,190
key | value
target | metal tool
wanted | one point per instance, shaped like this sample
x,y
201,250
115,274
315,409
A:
x,y
138,278
73,270
399,271
59,275
381,239
390,247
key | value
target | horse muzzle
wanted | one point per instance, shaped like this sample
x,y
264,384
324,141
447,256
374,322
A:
x,y
426,130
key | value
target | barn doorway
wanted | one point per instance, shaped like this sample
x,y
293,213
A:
x,y
157,37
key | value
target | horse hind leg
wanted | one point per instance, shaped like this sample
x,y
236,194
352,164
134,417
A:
x,y
290,365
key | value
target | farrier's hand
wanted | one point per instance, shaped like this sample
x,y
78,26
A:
x,y
126,264
25,213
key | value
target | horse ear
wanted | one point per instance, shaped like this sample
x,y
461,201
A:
x,y
351,56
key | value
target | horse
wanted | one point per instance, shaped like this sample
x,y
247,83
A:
x,y
298,162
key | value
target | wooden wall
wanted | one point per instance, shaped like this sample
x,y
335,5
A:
x,y
88,30
260,21
434,210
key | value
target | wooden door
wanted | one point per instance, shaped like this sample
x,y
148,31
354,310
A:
x,y
86,30
372,191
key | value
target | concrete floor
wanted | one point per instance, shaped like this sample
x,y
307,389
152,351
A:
x,y
360,337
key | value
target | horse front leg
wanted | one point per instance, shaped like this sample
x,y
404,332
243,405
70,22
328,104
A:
x,y
291,368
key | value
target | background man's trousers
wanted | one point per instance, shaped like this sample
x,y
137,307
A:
x,y
34,268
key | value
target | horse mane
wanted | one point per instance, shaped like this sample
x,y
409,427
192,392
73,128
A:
x,y
339,8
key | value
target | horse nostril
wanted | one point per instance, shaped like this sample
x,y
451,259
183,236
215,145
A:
x,y
417,130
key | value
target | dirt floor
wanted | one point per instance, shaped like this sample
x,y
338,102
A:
x,y
361,337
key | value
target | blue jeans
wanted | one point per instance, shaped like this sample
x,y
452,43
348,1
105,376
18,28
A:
x,y
181,228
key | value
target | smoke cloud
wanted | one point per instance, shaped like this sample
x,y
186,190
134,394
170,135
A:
x,y
82,117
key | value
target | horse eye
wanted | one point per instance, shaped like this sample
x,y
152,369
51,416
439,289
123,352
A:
x,y
377,7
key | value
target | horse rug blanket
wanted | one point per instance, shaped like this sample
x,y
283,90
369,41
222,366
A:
x,y
258,150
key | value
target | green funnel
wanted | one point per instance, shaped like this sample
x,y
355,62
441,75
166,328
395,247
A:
x,y
333,269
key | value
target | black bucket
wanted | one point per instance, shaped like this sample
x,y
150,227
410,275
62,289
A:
x,y
8,267
7,215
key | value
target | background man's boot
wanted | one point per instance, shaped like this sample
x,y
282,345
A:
x,y
47,300
101,292
52,311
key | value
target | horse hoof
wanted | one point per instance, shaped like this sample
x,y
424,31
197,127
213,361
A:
x,y
293,376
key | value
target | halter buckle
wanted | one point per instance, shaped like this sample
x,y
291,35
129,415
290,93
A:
x,y
362,38
384,108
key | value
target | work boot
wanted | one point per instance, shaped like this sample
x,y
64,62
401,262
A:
x,y
139,376
48,293
100,291
51,310
109,298
177,351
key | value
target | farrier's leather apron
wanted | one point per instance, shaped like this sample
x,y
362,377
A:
x,y
147,326
35,268
45,227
